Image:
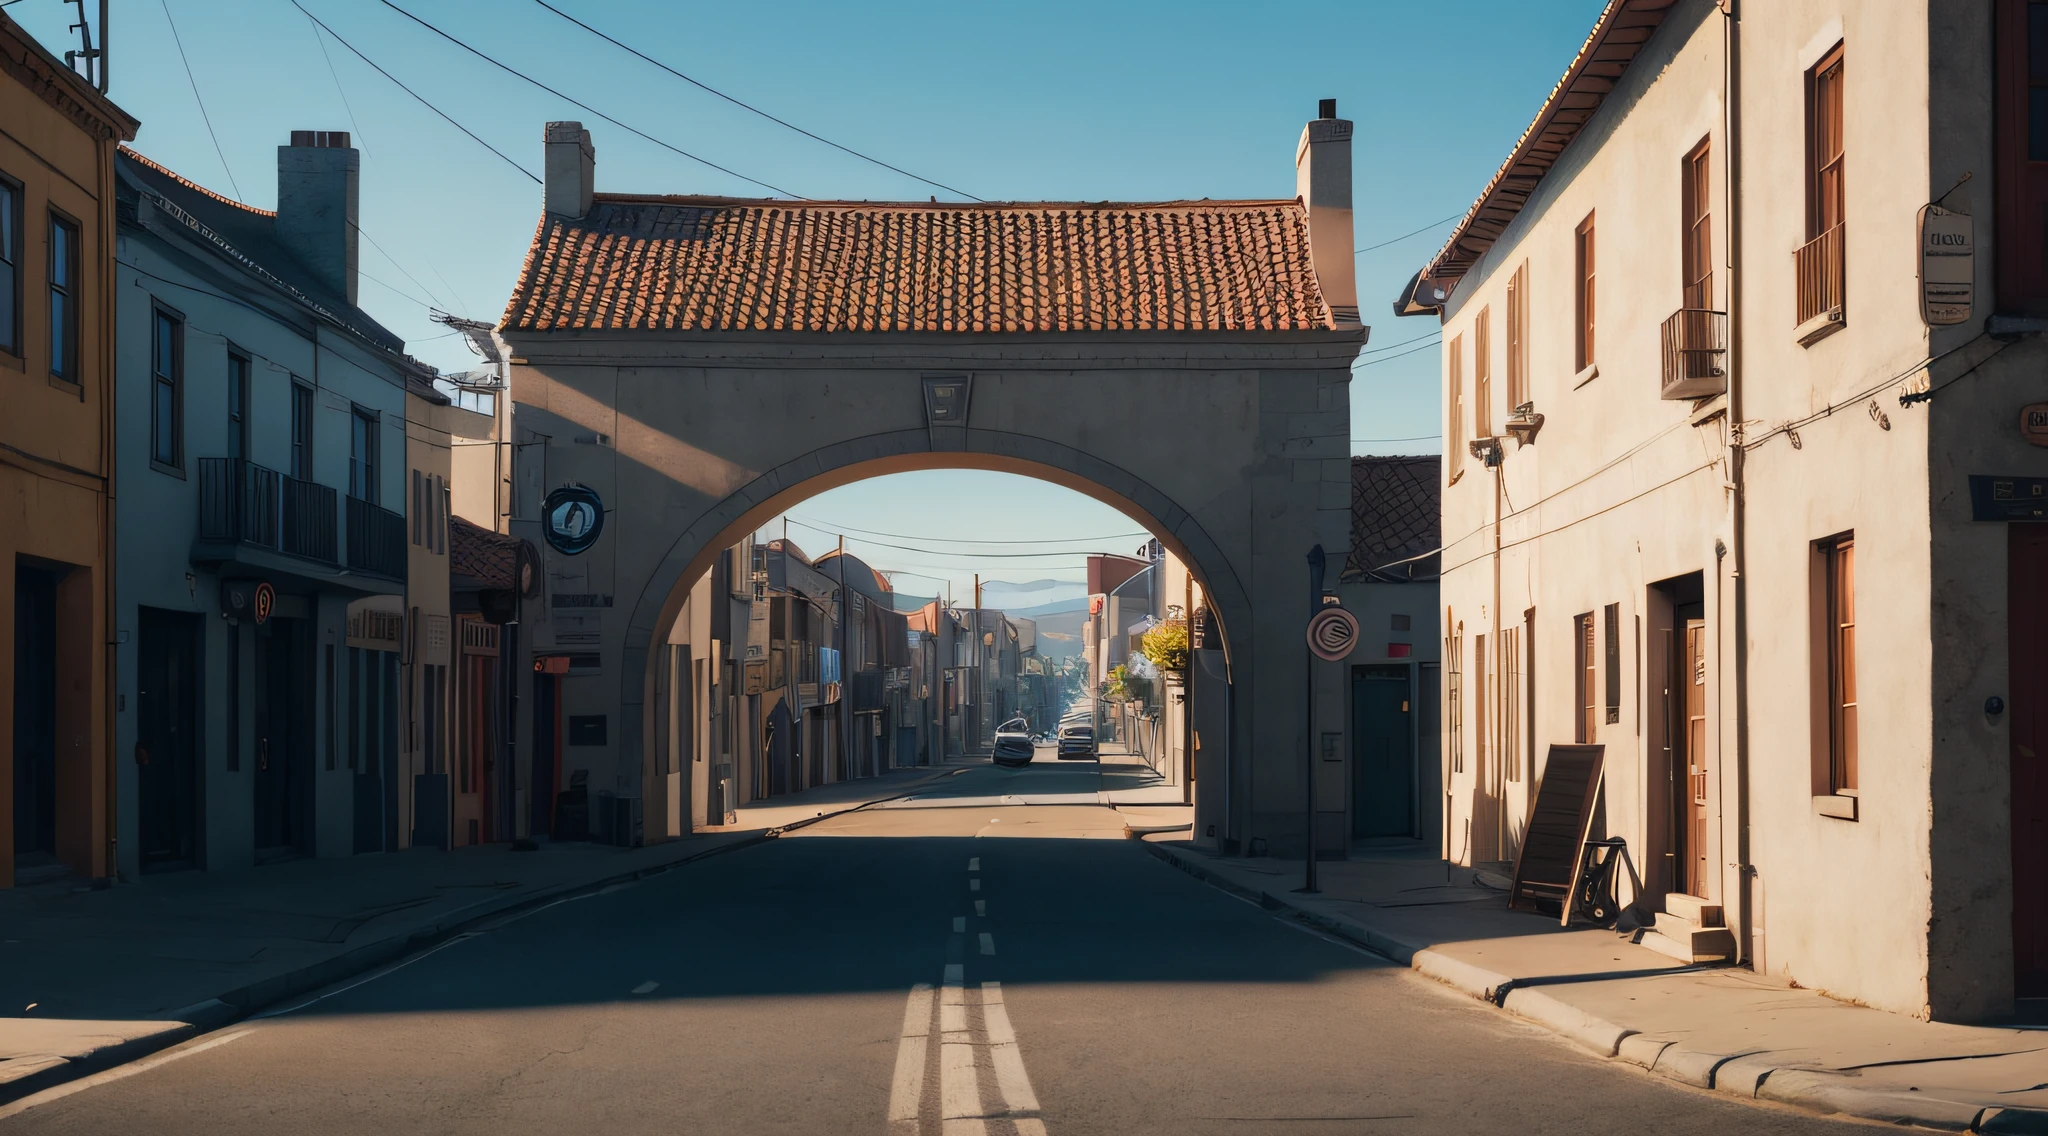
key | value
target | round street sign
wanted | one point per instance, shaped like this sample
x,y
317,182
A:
x,y
1331,633
572,516
266,602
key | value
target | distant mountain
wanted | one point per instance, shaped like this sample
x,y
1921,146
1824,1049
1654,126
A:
x,y
1057,607
1010,595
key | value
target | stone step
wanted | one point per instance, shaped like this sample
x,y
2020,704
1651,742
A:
x,y
1704,944
1694,908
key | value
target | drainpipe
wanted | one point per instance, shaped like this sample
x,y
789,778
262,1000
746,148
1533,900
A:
x,y
110,458
1745,868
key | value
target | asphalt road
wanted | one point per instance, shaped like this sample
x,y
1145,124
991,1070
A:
x,y
957,963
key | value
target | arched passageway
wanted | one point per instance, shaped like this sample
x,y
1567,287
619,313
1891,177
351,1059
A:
x,y
703,364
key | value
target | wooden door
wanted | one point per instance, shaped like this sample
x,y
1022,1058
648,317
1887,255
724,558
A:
x,y
476,738
167,752
1382,753
1693,681
2027,647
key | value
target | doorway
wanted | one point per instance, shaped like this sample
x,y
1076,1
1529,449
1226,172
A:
x,y
1682,830
35,719
547,748
2027,647
284,739
476,740
1382,752
167,749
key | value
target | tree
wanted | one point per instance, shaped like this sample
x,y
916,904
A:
x,y
1166,645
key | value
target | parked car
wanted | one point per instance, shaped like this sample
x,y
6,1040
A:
x,y
1077,742
1014,746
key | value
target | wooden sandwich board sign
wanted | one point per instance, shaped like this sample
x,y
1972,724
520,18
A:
x,y
1559,822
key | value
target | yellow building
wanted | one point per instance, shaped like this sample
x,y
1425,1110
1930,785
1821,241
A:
x,y
56,464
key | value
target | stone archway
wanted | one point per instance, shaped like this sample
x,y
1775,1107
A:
x,y
704,363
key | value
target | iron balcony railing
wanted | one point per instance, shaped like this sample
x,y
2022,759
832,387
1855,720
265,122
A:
x,y
376,540
1818,266
1695,347
241,502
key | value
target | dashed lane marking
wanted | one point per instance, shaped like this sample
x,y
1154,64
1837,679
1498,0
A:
x,y
981,907
906,1088
988,943
973,885
647,987
974,863
959,922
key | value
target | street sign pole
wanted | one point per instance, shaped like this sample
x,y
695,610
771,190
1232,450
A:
x,y
1308,732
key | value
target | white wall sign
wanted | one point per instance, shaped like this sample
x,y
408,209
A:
x,y
1947,266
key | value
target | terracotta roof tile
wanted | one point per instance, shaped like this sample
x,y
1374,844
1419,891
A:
x,y
1395,518
720,264
482,557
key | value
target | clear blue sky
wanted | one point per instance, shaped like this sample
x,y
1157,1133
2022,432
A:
x,y
1059,99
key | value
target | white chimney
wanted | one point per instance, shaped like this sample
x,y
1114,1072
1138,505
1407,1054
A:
x,y
1322,180
318,185
571,167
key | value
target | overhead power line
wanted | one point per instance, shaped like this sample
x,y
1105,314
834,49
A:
x,y
523,77
1070,552
203,116
1416,233
1391,358
957,540
1402,343
417,97
703,86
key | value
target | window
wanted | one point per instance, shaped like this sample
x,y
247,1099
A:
x,y
1510,703
1584,690
1480,725
10,267
419,506
302,432
1613,621
1518,338
1835,559
1454,694
238,406
63,299
1482,374
1455,388
362,456
1818,264
2021,44
1584,297
1696,253
166,388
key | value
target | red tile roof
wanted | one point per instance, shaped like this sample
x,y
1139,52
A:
x,y
720,264
482,557
1395,529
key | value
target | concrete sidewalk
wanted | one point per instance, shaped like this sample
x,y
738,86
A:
x,y
94,978
1719,1028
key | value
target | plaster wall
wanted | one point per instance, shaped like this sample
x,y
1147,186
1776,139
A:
x,y
692,440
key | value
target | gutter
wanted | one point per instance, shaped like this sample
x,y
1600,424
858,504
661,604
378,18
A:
x,y
1745,946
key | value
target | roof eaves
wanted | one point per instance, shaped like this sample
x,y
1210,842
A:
x,y
37,68
1617,37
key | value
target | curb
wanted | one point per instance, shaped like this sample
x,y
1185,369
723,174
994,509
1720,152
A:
x,y
1751,1075
234,1005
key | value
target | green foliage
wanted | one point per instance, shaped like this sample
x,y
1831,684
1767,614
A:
x,y
1167,645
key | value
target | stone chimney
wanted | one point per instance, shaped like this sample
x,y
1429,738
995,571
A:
x,y
1322,180
571,167
318,179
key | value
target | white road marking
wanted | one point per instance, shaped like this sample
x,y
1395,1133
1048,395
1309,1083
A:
x,y
973,885
963,1127
974,863
959,1085
981,907
988,943
370,977
59,1092
906,1088
1011,1081
956,973
647,987
959,922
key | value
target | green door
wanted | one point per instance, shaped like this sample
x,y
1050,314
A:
x,y
1382,752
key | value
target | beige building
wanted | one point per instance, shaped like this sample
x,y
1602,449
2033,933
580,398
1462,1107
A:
x,y
1739,486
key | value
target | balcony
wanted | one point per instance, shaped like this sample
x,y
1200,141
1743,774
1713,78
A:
x,y
1695,350
1818,267
376,540
241,502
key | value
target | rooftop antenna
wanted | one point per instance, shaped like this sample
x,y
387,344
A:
x,y
88,60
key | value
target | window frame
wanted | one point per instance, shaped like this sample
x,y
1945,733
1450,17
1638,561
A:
x,y
364,423
1454,364
69,336
13,231
1819,87
1837,733
1585,680
1610,618
1585,297
159,315
1482,374
241,372
303,414
1696,228
1518,339
2020,196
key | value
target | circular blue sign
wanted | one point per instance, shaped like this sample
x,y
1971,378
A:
x,y
572,518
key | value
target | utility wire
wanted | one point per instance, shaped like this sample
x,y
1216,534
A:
x,y
417,97
1416,438
956,540
1391,358
943,551
203,116
1405,236
1403,343
700,85
585,106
